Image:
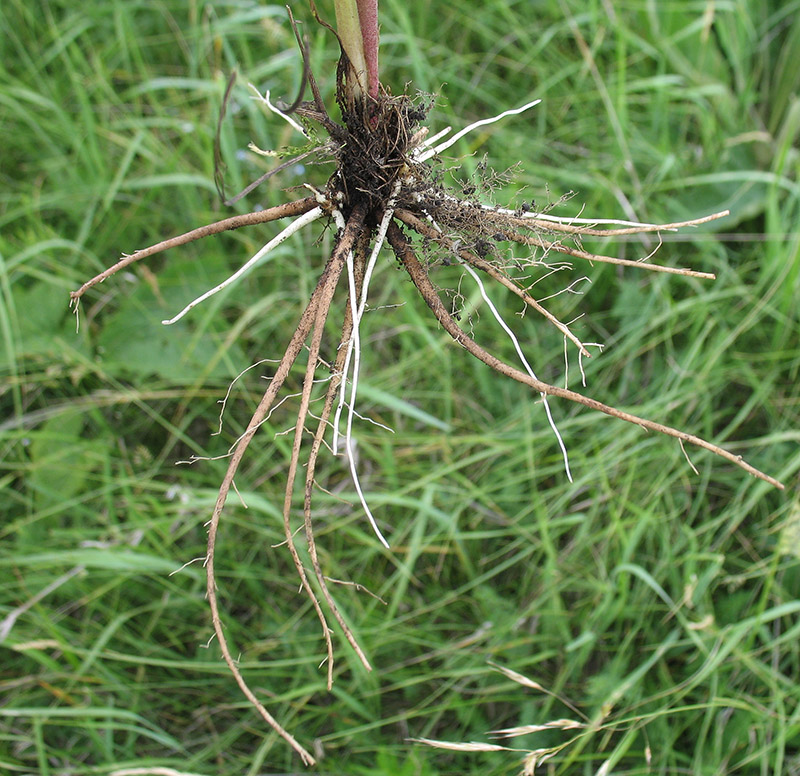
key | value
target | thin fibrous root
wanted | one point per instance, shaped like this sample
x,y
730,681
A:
x,y
476,261
419,277
357,307
500,220
586,226
549,245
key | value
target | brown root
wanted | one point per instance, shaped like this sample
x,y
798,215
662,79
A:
x,y
313,317
287,210
419,277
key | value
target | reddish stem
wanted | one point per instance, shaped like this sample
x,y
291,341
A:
x,y
368,20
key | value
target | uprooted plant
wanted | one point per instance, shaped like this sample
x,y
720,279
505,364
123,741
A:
x,y
385,188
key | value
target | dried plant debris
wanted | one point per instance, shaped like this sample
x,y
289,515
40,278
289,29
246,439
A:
x,y
387,189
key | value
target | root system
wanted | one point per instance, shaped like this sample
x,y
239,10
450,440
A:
x,y
386,188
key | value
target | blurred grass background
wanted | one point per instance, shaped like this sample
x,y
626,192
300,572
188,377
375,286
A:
x,y
663,605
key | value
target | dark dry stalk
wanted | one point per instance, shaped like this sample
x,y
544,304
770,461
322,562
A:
x,y
274,171
419,277
296,208
320,112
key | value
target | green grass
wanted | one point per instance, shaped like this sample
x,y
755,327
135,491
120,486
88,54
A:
x,y
662,604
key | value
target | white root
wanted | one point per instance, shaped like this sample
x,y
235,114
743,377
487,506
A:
x,y
358,312
523,360
348,438
357,307
295,226
264,98
427,143
224,402
521,355
431,152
